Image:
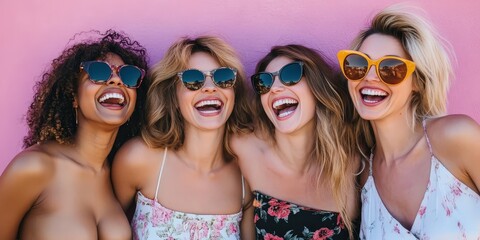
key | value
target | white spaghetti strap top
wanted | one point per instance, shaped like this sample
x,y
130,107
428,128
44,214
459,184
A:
x,y
449,209
154,221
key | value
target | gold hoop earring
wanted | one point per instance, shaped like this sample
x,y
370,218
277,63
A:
x,y
76,116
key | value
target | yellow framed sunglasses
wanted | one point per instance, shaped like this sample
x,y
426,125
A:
x,y
390,69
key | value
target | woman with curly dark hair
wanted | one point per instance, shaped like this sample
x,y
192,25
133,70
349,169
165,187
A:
x,y
87,104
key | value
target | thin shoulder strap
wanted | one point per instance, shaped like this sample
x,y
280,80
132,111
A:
x,y
161,171
243,190
370,161
424,123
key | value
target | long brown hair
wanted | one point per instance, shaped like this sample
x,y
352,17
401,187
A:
x,y
333,145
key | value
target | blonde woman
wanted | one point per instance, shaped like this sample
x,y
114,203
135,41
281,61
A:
x,y
299,161
424,173
181,175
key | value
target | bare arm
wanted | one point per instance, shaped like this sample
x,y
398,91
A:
x,y
126,173
247,227
244,147
468,153
473,163
21,184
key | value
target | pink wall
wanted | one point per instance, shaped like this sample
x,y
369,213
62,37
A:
x,y
33,33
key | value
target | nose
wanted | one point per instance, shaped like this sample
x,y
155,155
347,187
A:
x,y
277,85
115,79
208,85
372,74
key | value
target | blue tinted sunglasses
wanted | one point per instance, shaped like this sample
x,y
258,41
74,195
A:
x,y
289,75
100,72
194,79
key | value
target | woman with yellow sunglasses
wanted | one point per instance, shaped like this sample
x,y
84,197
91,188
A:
x,y
423,179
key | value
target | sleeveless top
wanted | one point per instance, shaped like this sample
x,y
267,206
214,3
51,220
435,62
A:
x,y
449,209
151,220
276,219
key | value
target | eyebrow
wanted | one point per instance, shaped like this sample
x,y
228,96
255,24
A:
x,y
384,56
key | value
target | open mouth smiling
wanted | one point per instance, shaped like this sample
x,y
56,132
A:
x,y
112,99
210,106
370,95
284,107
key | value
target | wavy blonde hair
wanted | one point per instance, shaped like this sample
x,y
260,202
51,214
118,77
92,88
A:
x,y
427,49
333,146
164,125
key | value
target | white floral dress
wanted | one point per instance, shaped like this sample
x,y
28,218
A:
x,y
449,209
154,221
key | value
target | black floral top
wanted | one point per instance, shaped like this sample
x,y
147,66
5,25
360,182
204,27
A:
x,y
276,220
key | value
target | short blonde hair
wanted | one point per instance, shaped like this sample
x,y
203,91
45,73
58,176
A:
x,y
425,47
430,53
164,123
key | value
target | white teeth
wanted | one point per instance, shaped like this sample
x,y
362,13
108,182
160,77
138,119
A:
x,y
209,111
284,114
112,95
283,101
370,101
208,102
373,92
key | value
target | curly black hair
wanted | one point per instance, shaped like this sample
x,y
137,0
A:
x,y
51,115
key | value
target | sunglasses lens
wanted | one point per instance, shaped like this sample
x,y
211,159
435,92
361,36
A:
x,y
193,79
392,71
262,82
224,77
99,71
355,67
130,75
291,73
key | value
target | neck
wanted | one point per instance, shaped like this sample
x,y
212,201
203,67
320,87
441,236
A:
x,y
396,137
203,150
294,149
93,144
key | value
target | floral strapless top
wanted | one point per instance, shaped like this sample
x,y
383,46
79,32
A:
x,y
276,219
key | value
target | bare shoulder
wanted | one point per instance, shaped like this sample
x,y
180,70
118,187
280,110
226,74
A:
x,y
132,154
456,143
241,140
34,162
31,170
135,162
22,184
453,132
247,145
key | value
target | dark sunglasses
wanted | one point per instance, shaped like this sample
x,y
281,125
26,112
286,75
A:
x,y
194,79
391,70
289,75
100,72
